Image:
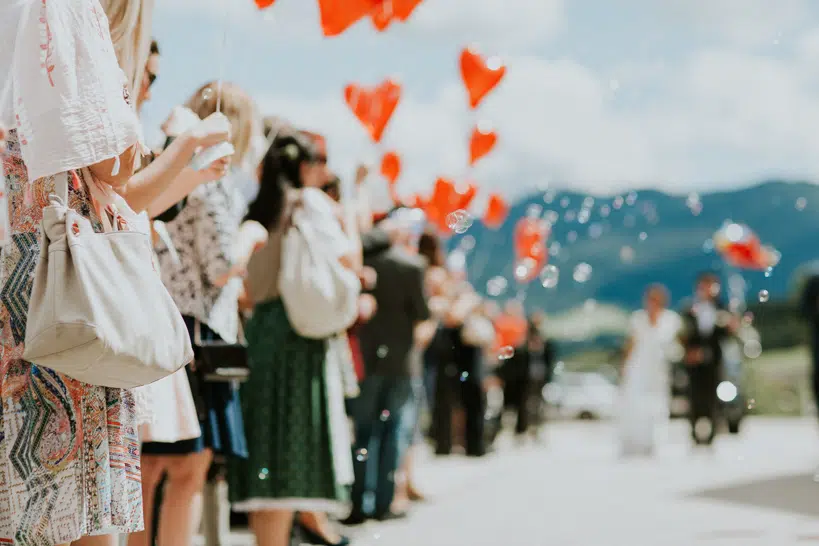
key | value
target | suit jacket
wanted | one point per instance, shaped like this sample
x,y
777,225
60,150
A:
x,y
710,343
387,339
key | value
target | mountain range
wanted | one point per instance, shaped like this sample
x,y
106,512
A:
x,y
633,240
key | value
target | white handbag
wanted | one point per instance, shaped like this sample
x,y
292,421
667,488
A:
x,y
98,310
320,296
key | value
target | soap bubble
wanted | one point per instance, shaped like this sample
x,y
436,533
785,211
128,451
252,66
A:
x,y
459,221
549,276
506,352
801,203
582,272
496,286
207,94
764,296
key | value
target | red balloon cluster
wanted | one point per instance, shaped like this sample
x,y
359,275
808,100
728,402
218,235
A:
x,y
375,106
339,15
531,235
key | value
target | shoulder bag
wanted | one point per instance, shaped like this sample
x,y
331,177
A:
x,y
98,310
320,296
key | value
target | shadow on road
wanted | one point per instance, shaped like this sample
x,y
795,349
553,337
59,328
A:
x,y
796,494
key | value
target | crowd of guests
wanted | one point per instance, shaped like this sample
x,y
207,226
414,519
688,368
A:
x,y
259,423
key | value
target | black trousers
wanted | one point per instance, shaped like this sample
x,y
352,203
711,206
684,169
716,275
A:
x,y
518,395
450,390
703,401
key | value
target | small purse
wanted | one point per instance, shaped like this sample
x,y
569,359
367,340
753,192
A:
x,y
220,361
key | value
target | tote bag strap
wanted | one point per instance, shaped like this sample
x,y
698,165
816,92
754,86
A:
x,y
61,192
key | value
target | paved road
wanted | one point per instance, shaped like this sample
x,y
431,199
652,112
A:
x,y
753,489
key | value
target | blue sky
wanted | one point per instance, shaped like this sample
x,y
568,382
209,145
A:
x,y
599,96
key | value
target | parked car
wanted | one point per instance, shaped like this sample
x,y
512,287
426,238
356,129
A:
x,y
581,395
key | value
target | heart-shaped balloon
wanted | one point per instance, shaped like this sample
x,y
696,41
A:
x,y
382,17
480,76
263,4
360,102
391,167
481,143
402,9
496,212
385,100
464,195
339,15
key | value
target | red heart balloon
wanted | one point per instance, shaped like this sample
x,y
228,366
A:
x,y
402,9
263,4
382,17
391,167
360,102
464,197
529,233
385,100
480,76
339,15
481,143
510,331
496,211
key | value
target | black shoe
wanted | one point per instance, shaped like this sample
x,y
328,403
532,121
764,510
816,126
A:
x,y
355,519
311,537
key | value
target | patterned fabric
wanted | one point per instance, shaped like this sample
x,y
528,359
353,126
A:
x,y
203,234
287,422
69,458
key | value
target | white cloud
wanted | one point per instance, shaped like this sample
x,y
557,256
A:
x,y
744,22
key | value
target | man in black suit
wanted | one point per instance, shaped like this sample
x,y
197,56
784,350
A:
x,y
383,412
707,324
810,310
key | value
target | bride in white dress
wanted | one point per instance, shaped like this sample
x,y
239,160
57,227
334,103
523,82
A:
x,y
645,386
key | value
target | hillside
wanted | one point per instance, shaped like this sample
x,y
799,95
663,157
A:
x,y
673,249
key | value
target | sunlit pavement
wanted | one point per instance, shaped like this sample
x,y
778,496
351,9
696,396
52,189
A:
x,y
752,489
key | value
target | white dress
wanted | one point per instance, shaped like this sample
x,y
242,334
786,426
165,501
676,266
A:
x,y
645,388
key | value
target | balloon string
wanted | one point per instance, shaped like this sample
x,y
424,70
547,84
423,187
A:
x,y
223,58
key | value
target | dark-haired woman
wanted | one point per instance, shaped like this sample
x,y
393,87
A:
x,y
292,465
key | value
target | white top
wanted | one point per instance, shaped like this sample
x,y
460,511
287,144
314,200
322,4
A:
x,y
650,348
62,89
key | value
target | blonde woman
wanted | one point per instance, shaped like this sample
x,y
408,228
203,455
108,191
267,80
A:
x,y
196,272
67,449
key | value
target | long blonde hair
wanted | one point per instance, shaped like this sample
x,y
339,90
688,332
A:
x,y
130,24
239,108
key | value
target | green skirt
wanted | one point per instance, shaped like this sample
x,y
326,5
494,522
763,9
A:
x,y
287,422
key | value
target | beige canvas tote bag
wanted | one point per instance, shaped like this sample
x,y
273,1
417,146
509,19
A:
x,y
98,310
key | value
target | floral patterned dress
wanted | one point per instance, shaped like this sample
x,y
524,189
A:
x,y
69,455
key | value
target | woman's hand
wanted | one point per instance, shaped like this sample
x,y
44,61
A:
x,y
216,170
368,277
212,130
367,306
